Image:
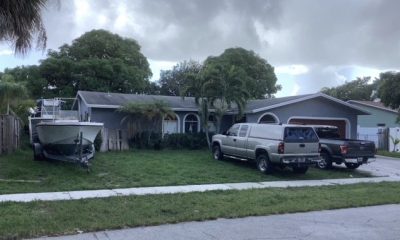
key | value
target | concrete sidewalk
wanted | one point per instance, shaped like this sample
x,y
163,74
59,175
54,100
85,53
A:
x,y
373,223
73,195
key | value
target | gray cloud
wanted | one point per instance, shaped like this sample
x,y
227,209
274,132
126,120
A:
x,y
325,36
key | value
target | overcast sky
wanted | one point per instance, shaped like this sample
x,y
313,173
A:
x,y
311,43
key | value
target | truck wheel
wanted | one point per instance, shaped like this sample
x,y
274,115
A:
x,y
217,153
352,165
263,164
326,161
300,170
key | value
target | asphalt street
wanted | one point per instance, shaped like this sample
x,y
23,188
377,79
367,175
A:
x,y
377,222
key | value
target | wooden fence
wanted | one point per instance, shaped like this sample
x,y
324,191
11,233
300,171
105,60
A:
x,y
114,140
10,129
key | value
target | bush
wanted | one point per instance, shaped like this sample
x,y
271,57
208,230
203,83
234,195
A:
x,y
185,140
146,140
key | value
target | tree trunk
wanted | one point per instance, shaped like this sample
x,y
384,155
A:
x,y
8,107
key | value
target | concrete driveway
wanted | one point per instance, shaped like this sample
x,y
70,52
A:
x,y
383,166
377,222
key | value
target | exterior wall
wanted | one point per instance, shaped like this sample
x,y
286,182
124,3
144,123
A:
x,y
109,116
314,108
83,109
377,117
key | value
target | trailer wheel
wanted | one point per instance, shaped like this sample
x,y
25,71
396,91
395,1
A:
x,y
37,152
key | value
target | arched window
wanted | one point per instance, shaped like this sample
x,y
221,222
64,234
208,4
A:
x,y
192,124
171,124
268,118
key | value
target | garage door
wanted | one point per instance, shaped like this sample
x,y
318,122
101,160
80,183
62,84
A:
x,y
341,124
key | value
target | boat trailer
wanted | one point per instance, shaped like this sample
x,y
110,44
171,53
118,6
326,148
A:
x,y
82,155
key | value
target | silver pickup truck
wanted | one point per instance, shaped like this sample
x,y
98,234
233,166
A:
x,y
269,145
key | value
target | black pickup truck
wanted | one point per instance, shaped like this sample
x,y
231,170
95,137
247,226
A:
x,y
337,150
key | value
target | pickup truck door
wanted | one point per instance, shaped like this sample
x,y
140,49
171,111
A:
x,y
229,140
241,142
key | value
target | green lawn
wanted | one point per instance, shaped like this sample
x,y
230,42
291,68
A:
x,y
139,169
389,154
34,219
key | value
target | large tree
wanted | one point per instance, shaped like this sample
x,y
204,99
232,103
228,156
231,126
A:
x,y
359,89
30,76
10,93
389,89
173,81
255,72
97,61
21,22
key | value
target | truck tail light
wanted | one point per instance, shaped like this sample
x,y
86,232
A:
x,y
319,147
343,149
281,148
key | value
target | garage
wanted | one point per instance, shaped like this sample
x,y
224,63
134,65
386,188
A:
x,y
341,124
310,109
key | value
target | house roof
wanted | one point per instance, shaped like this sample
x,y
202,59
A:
x,y
116,100
176,103
378,105
266,104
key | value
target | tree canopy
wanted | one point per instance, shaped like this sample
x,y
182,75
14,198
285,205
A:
x,y
173,81
257,75
10,92
21,22
96,61
359,89
389,90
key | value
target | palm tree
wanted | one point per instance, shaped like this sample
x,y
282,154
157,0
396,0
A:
x,y
145,117
217,87
20,22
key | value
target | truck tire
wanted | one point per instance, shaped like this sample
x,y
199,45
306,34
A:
x,y
263,164
352,165
300,170
326,162
217,153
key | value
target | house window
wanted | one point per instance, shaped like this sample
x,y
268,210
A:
x,y
267,118
170,124
192,123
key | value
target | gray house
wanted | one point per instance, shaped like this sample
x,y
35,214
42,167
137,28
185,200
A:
x,y
303,109
379,125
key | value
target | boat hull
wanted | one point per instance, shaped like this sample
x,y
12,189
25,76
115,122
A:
x,y
63,138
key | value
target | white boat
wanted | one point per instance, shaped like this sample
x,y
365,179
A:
x,y
63,137
57,134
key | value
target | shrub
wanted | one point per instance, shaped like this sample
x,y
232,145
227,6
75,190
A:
x,y
185,140
146,140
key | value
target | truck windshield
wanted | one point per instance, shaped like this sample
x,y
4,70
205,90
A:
x,y
300,134
331,133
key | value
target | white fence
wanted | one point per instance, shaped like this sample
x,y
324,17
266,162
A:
x,y
380,136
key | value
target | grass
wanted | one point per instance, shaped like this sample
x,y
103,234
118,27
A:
x,y
21,220
389,154
139,169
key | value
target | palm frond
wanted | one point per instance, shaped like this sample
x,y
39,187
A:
x,y
21,22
